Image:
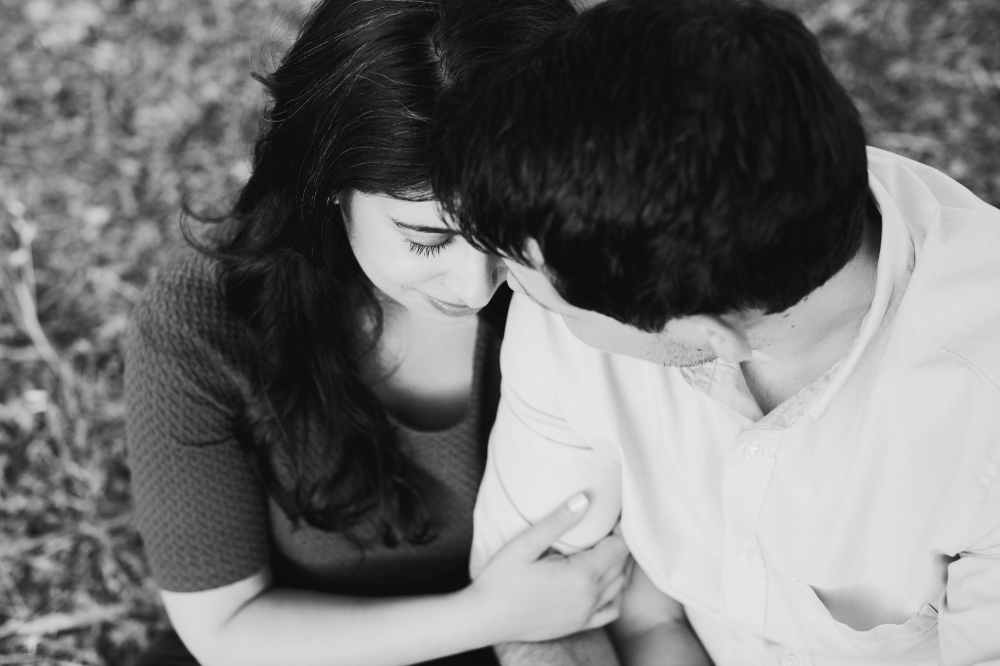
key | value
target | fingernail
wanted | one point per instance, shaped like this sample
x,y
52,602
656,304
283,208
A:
x,y
578,503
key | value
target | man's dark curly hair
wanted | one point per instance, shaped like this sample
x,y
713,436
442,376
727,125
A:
x,y
671,158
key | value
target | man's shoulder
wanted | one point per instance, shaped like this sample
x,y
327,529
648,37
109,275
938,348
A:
x,y
536,350
951,300
922,190
539,338
536,333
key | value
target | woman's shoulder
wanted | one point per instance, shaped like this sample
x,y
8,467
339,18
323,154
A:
x,y
186,283
183,320
185,298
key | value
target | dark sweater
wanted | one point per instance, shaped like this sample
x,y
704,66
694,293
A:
x,y
205,517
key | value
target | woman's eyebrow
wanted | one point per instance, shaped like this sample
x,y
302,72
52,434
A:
x,y
423,229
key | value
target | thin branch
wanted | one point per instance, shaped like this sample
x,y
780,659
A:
x,y
22,269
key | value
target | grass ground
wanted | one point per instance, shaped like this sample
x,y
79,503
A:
x,y
112,110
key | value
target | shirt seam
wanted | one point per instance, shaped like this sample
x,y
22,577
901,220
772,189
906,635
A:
x,y
963,533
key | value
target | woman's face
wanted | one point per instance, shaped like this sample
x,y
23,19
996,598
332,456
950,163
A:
x,y
413,256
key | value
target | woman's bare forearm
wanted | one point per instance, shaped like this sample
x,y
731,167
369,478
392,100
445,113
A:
x,y
303,628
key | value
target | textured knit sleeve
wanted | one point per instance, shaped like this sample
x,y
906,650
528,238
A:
x,y
200,509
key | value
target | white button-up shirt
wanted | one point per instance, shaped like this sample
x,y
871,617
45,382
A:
x,y
858,522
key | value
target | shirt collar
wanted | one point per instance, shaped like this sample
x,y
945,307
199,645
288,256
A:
x,y
724,381
895,264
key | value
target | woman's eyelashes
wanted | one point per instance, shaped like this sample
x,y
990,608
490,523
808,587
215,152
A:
x,y
429,250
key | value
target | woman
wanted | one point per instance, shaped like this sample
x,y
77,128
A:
x,y
310,394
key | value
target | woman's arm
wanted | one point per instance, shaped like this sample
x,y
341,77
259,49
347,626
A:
x,y
519,596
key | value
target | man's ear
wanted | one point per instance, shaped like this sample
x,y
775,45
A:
x,y
534,253
728,343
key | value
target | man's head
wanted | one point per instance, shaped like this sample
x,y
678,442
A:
x,y
661,160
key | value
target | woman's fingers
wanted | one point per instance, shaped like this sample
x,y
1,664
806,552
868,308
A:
x,y
606,558
540,598
610,592
533,542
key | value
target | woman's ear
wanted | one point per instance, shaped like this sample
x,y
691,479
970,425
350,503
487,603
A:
x,y
728,343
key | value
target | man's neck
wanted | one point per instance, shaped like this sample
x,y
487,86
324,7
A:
x,y
796,347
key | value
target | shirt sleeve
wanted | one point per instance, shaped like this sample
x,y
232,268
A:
x,y
969,621
538,458
199,506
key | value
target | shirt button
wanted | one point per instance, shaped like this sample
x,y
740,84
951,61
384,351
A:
x,y
745,552
753,452
789,659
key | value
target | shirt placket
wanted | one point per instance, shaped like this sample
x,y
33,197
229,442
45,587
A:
x,y
744,575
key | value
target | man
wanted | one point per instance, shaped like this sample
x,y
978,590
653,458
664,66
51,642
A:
x,y
775,354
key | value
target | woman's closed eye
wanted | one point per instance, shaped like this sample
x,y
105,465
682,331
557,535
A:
x,y
430,250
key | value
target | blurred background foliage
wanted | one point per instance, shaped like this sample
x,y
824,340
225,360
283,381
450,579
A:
x,y
112,111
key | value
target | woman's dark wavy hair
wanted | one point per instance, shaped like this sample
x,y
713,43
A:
x,y
671,158
350,104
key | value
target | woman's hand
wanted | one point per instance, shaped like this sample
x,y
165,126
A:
x,y
531,594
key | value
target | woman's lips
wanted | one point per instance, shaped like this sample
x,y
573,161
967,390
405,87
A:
x,y
451,309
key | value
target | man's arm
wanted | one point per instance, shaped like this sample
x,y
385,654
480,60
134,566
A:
x,y
537,460
652,629
588,648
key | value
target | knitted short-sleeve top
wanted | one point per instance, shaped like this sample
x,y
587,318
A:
x,y
205,517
